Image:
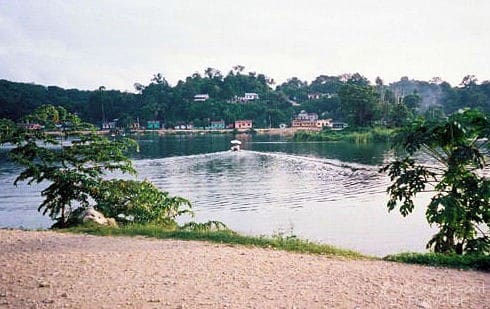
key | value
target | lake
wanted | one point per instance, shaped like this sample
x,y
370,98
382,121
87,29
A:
x,y
327,192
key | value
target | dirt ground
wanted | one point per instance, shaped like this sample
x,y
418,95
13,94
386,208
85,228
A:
x,y
43,269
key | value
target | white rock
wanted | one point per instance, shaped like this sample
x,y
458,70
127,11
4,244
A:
x,y
92,215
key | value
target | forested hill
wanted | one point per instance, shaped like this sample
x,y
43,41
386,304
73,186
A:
x,y
348,97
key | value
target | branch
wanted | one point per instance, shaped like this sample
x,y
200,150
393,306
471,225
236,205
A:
x,y
435,154
478,228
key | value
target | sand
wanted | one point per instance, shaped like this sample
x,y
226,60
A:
x,y
44,269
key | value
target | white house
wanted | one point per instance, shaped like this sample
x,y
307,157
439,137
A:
x,y
322,123
250,96
314,96
303,115
201,97
318,95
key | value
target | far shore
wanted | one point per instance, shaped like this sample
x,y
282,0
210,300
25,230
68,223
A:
x,y
267,131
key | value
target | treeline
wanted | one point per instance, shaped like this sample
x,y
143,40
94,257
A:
x,y
348,97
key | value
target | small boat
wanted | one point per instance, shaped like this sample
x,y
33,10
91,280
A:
x,y
235,145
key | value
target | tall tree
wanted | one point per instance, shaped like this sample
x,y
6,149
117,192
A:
x,y
359,102
75,170
460,206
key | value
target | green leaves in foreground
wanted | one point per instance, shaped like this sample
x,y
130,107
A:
x,y
460,206
141,201
76,164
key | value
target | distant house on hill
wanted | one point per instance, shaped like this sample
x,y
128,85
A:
x,y
32,126
303,115
201,97
314,96
250,96
243,124
318,95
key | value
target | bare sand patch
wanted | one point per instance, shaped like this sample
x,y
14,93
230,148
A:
x,y
44,269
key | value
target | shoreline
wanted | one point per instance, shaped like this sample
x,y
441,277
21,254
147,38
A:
x,y
50,269
269,131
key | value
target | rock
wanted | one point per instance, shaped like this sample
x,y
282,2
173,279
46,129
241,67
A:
x,y
92,215
43,284
64,295
111,222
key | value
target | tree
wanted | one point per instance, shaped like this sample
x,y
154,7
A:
x,y
399,115
142,201
460,206
74,170
412,101
359,103
294,89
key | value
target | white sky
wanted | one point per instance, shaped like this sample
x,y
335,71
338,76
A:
x,y
89,43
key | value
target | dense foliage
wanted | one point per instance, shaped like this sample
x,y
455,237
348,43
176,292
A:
x,y
74,166
139,201
460,206
348,97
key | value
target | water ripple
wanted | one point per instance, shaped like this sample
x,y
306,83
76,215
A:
x,y
251,180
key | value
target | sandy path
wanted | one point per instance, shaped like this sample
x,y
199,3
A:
x,y
47,269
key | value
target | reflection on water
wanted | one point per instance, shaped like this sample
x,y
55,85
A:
x,y
327,192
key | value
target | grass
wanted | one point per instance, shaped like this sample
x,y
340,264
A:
x,y
470,261
280,242
359,135
224,236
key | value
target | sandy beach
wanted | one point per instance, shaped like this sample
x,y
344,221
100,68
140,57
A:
x,y
44,269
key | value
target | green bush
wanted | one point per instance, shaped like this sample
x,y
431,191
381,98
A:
x,y
138,201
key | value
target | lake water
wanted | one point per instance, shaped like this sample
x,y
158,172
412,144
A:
x,y
323,192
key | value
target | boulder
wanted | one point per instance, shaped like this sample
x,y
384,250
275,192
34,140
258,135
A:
x,y
92,215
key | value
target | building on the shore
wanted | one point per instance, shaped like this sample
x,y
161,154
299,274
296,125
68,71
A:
x,y
303,124
109,125
217,125
310,120
184,126
324,123
339,125
153,125
201,97
243,124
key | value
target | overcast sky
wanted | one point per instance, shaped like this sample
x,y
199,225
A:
x,y
86,44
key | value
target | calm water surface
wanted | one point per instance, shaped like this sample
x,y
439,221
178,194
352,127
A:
x,y
324,192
